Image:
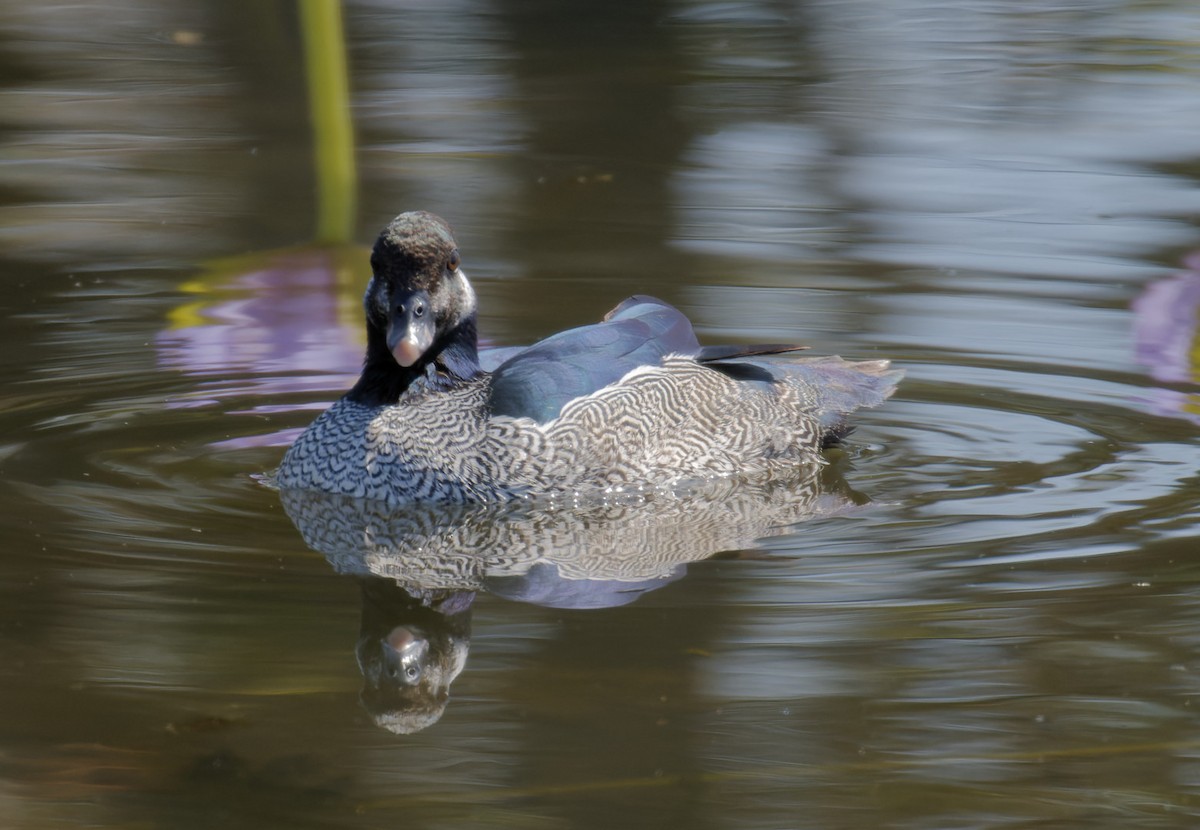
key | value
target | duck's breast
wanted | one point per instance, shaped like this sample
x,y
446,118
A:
x,y
426,448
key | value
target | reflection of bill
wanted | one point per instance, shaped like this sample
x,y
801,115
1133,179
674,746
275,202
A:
x,y
410,649
421,566
1166,326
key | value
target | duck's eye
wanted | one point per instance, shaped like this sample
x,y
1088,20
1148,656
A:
x,y
418,309
454,261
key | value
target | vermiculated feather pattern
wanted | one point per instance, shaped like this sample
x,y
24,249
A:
x,y
656,426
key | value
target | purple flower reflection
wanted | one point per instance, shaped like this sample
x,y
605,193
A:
x,y
283,322
289,315
1166,319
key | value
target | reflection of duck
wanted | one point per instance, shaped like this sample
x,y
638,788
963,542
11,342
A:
x,y
632,400
421,565
410,650
596,554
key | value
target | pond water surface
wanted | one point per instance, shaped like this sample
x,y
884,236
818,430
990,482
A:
x,y
984,613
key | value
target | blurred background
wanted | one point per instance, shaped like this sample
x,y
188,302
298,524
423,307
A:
x,y
1002,198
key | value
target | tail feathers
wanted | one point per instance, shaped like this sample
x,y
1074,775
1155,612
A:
x,y
842,386
833,386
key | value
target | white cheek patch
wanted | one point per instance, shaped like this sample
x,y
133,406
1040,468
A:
x,y
468,293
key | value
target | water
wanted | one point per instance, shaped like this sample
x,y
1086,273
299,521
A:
x,y
993,624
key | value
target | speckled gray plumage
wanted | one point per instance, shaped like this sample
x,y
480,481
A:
x,y
658,425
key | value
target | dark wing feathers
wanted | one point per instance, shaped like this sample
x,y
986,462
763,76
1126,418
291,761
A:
x,y
538,381
490,358
744,371
707,354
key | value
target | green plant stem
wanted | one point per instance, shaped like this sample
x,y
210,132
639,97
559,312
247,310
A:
x,y
329,110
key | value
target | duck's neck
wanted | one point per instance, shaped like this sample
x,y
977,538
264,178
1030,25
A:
x,y
452,359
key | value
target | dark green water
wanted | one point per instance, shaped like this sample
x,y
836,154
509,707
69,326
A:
x,y
1001,198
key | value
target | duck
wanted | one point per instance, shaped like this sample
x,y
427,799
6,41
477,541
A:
x,y
633,402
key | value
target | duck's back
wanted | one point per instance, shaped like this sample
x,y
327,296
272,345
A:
x,y
537,381
683,419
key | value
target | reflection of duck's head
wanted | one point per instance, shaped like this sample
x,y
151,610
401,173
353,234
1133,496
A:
x,y
420,310
405,651
409,653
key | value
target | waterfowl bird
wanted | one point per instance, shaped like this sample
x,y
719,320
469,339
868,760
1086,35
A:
x,y
632,401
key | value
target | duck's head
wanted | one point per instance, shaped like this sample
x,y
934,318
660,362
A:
x,y
420,308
